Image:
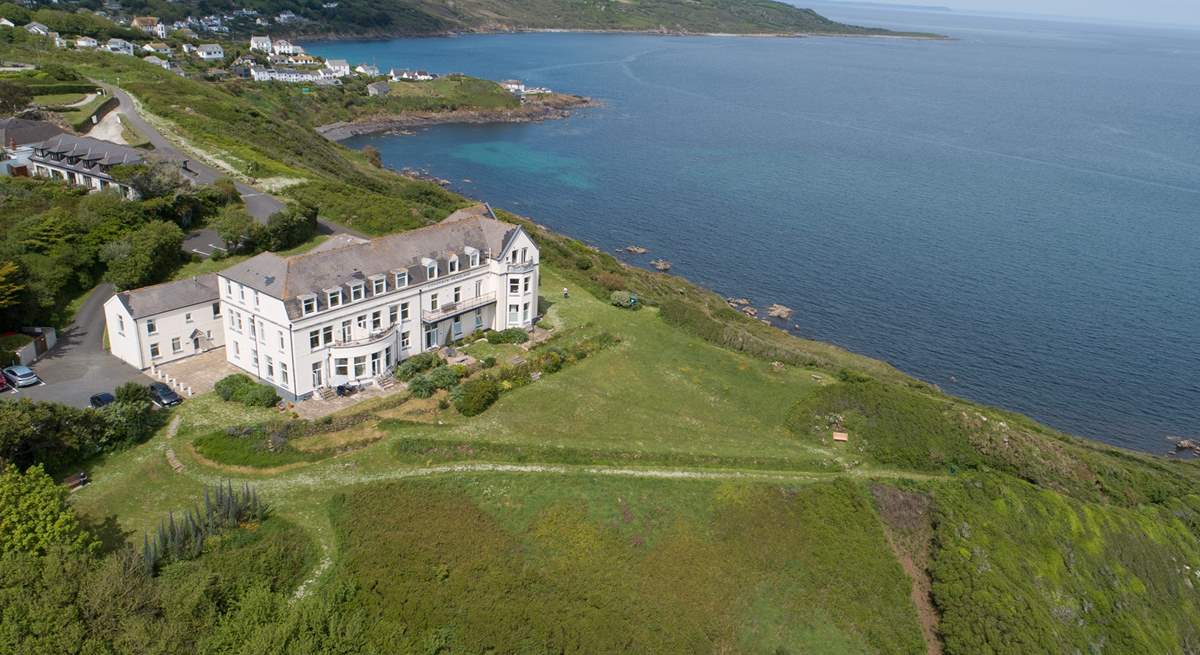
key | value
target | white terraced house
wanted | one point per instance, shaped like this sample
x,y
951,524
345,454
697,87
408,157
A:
x,y
350,309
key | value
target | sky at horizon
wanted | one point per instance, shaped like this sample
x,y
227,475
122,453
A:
x,y
1182,12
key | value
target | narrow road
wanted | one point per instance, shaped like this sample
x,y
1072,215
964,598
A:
x,y
78,366
259,204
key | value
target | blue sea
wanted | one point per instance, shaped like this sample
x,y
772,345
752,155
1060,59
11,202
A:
x,y
1013,214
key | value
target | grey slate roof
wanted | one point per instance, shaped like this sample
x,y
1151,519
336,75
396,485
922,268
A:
x,y
20,131
87,149
148,301
335,267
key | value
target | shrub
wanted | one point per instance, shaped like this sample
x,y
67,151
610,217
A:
x,y
410,367
231,386
421,387
624,300
240,388
474,396
488,362
260,395
552,361
132,392
442,377
583,263
611,281
443,404
511,335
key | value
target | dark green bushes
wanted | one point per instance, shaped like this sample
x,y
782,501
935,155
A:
x,y
511,335
408,368
474,396
441,377
240,388
624,300
58,435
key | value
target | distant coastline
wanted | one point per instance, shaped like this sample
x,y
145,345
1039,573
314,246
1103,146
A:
x,y
557,106
384,35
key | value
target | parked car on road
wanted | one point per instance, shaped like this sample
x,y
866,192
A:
x,y
164,396
101,399
21,376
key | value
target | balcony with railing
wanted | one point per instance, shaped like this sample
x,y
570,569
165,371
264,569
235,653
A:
x,y
456,308
374,337
521,267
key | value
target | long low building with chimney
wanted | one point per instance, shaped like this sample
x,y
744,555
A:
x,y
84,161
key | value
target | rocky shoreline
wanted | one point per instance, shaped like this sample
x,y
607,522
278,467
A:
x,y
557,107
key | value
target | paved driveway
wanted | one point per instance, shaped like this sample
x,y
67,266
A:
x,y
78,366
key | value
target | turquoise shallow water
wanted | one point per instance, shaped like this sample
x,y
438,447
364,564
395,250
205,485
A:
x,y
1012,215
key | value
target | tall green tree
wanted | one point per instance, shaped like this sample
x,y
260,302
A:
x,y
13,97
35,515
144,257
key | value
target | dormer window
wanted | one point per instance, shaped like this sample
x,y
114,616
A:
x,y
334,296
401,278
378,285
472,256
356,291
308,304
452,263
430,268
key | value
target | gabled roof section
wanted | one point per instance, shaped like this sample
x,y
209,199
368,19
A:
x,y
161,298
19,131
89,149
340,260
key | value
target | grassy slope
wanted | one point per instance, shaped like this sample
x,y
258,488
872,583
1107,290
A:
x,y
523,565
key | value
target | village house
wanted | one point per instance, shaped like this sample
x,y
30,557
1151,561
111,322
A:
x,y
380,88
349,310
83,161
161,63
303,60
37,29
119,46
161,323
411,76
513,86
59,41
290,75
210,52
4,22
157,47
365,69
337,68
261,44
282,47
150,25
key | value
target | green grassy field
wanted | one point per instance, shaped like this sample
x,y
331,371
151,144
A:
x,y
526,564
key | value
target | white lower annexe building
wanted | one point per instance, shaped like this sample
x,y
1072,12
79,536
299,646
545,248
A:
x,y
161,323
349,310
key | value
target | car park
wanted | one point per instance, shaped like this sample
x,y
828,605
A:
x,y
101,399
164,396
21,376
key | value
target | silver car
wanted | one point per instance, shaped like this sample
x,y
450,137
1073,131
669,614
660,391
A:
x,y
21,376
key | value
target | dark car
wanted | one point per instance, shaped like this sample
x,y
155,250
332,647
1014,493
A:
x,y
164,396
21,376
101,399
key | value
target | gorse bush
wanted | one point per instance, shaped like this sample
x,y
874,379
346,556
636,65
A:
x,y
624,300
443,377
240,388
511,335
